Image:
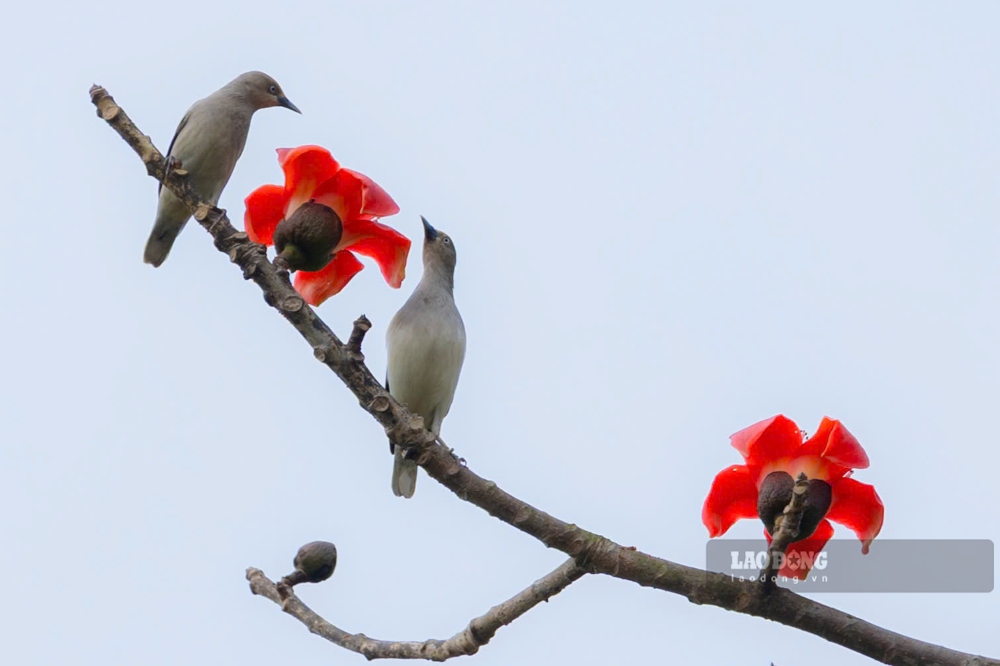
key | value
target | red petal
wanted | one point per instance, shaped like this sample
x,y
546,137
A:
x,y
376,201
833,442
342,192
733,496
857,506
385,245
801,555
305,168
769,440
265,208
317,286
315,154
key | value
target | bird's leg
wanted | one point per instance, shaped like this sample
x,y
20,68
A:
x,y
461,461
174,165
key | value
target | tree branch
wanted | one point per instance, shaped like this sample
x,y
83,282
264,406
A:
x,y
592,552
466,642
788,531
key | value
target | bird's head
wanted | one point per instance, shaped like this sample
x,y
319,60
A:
x,y
439,249
263,91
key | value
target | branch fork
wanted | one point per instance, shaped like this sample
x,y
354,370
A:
x,y
476,634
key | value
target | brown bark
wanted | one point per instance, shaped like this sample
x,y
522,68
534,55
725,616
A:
x,y
468,641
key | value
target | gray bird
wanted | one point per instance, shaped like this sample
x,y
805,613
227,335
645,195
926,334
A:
x,y
208,142
426,347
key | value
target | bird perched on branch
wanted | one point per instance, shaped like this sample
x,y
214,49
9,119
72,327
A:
x,y
207,143
426,347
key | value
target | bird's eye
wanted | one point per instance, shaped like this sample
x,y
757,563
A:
x,y
274,90
447,240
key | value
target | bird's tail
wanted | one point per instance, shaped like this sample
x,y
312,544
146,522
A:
x,y
404,475
159,244
171,216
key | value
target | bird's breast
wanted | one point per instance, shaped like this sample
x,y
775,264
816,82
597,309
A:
x,y
210,145
425,356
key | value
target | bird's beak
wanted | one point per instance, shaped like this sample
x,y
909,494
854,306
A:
x,y
285,102
430,233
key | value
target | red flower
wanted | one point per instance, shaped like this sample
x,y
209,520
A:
x,y
311,173
829,456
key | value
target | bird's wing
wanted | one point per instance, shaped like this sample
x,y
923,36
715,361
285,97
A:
x,y
177,132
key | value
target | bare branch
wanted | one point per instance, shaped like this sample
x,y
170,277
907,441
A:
x,y
361,327
592,552
466,642
787,533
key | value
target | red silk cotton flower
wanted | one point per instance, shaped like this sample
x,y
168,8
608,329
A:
x,y
775,455
313,176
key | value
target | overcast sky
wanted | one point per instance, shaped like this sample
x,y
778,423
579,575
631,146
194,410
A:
x,y
671,223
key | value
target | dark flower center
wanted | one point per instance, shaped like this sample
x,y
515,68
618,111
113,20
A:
x,y
776,492
306,240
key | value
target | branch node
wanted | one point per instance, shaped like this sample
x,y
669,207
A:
x,y
292,303
97,93
379,404
203,209
410,433
106,108
328,354
361,326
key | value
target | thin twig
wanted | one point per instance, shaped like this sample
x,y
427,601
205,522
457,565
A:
x,y
599,554
466,642
788,524
361,326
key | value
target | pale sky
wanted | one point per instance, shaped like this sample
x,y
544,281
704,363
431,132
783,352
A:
x,y
671,223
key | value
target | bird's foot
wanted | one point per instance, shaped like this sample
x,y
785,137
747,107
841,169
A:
x,y
174,165
460,460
